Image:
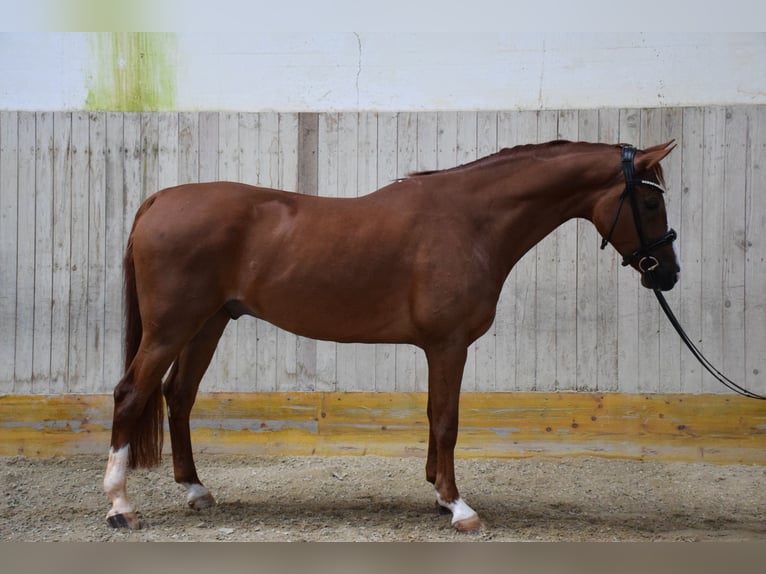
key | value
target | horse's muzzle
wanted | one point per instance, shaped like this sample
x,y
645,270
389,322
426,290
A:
x,y
662,276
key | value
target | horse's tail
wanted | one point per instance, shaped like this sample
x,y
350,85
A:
x,y
146,435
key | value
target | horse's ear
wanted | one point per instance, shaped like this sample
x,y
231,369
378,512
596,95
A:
x,y
648,159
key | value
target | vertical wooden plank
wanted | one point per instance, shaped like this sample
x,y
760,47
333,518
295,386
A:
x,y
587,336
427,159
43,249
10,226
188,147
207,159
308,152
446,140
266,335
406,163
608,283
465,151
167,141
546,253
268,150
385,355
287,343
229,378
327,186
734,242
486,144
96,252
367,150
327,155
43,261
446,157
566,279
252,363
22,177
207,144
114,238
132,190
712,294
755,254
132,172
505,317
627,327
150,154
348,128
670,342
650,363
524,130
367,181
689,244
428,127
62,236
451,126
78,278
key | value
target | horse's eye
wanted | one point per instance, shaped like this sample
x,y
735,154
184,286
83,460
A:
x,y
652,203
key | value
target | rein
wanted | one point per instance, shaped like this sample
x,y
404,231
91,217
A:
x,y
648,263
718,375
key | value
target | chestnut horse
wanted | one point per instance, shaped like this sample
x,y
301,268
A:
x,y
421,261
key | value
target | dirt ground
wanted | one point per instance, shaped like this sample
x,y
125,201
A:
x,y
387,499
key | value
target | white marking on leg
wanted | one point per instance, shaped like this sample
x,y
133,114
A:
x,y
460,510
115,480
194,491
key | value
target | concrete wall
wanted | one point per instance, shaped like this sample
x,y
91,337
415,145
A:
x,y
376,71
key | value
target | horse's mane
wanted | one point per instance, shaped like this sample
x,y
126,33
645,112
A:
x,y
540,150
505,154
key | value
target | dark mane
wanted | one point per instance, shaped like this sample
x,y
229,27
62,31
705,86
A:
x,y
540,150
504,154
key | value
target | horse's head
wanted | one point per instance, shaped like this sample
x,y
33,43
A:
x,y
632,217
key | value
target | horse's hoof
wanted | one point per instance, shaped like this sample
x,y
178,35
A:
x,y
470,524
125,520
205,501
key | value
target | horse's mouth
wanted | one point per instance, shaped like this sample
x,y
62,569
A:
x,y
659,279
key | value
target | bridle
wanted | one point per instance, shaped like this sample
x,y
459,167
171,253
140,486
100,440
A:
x,y
647,262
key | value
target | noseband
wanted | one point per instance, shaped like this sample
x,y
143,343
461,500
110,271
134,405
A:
x,y
647,261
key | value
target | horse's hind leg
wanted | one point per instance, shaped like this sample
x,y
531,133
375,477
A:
x,y
445,372
136,427
180,391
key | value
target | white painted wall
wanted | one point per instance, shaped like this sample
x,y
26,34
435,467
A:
x,y
409,72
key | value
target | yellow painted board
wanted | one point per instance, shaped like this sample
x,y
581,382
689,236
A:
x,y
716,428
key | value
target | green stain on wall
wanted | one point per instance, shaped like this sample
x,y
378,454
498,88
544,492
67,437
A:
x,y
132,72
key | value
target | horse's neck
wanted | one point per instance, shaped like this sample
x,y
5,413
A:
x,y
529,201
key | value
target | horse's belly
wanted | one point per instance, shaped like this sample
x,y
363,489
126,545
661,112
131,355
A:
x,y
338,319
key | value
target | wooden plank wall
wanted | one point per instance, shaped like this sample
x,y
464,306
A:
x,y
570,318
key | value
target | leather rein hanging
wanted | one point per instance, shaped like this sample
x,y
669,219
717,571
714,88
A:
x,y
648,263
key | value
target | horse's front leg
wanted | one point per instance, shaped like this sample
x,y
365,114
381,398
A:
x,y
445,372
